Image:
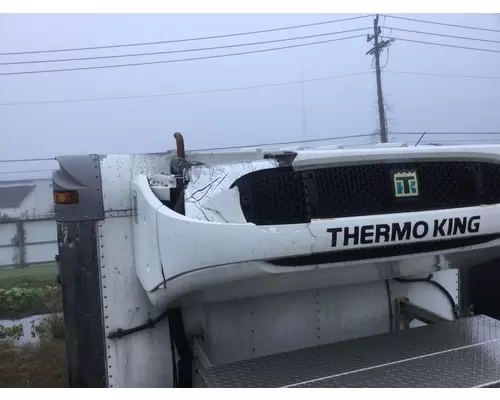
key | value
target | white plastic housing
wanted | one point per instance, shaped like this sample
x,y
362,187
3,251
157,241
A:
x,y
176,255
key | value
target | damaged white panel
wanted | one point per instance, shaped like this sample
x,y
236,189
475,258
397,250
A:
x,y
118,170
208,195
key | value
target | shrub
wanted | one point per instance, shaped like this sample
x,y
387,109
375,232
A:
x,y
19,302
11,333
51,327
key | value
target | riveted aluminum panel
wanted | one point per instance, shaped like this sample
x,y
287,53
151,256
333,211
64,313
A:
x,y
81,173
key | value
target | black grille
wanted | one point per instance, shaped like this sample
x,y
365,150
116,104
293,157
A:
x,y
284,196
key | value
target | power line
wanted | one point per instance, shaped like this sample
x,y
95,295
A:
x,y
185,39
441,23
439,142
290,142
277,84
441,44
443,35
469,140
438,75
27,171
224,148
180,60
145,96
339,137
387,58
27,159
446,133
182,50
285,143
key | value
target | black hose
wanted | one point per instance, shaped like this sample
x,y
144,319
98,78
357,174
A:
x,y
184,365
175,378
391,313
119,333
177,339
454,306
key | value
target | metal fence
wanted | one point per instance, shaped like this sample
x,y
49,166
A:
x,y
27,241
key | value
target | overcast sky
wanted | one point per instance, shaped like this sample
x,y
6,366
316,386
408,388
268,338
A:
x,y
334,107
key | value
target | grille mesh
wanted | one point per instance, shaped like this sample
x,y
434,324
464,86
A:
x,y
283,196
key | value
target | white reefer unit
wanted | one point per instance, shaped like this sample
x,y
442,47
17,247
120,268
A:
x,y
284,268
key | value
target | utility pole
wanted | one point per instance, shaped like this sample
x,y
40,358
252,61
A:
x,y
375,51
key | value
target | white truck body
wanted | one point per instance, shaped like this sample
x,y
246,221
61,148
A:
x,y
245,290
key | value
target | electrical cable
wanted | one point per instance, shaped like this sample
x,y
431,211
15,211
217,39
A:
x,y
304,141
440,75
186,39
441,35
381,49
145,96
387,59
429,280
178,60
469,140
441,44
26,171
172,314
181,50
28,159
234,147
150,323
420,139
446,133
440,23
285,143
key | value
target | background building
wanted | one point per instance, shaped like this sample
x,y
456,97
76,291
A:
x,y
27,227
26,198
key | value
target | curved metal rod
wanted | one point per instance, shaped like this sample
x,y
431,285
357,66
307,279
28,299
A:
x,y
179,139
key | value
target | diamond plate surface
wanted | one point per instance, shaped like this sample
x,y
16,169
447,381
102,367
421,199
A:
x,y
462,368
462,341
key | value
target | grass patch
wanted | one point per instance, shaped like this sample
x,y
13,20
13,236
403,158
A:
x,y
29,277
33,366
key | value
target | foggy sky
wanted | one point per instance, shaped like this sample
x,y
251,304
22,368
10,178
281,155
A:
x,y
337,107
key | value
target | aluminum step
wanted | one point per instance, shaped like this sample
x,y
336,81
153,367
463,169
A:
x,y
462,353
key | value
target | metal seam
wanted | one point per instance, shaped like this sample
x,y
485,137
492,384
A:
x,y
104,303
